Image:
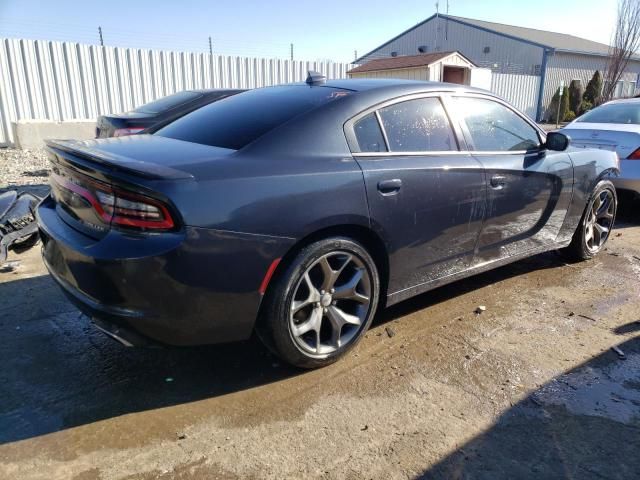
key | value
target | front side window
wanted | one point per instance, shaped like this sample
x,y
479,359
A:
x,y
419,125
494,127
369,135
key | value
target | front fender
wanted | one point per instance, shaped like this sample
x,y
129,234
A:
x,y
589,167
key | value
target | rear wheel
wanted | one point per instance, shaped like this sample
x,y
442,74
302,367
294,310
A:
x,y
596,223
321,304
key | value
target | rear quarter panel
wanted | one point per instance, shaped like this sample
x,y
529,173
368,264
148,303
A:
x,y
297,179
273,195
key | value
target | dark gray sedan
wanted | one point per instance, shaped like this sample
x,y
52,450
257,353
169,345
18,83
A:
x,y
296,211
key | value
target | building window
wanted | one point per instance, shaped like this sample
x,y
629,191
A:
x,y
631,89
619,90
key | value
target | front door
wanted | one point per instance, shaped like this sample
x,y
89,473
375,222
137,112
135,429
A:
x,y
453,75
528,188
426,198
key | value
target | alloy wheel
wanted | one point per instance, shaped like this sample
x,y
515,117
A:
x,y
599,221
330,303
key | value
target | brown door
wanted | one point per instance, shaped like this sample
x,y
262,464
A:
x,y
453,75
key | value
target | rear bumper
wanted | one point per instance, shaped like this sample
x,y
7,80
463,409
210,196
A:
x,y
629,178
198,286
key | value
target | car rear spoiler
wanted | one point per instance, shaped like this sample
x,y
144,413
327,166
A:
x,y
117,162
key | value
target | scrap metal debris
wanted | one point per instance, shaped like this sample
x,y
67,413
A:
x,y
390,331
10,266
18,227
480,309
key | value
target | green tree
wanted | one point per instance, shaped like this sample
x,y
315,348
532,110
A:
x,y
594,89
575,96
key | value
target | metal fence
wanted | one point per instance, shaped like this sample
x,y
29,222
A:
x,y
47,80
519,90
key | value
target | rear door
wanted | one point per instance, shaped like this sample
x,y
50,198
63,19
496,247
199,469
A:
x,y
528,188
426,197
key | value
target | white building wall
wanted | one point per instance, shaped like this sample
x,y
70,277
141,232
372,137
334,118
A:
x,y
569,66
505,55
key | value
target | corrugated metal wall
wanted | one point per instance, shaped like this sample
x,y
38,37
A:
x,y
566,67
439,35
62,81
519,90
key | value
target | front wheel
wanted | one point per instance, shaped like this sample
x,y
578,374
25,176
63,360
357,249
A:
x,y
319,307
596,223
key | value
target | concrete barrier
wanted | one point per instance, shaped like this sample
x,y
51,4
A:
x,y
30,134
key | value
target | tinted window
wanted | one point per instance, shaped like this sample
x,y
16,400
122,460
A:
x,y
494,127
625,113
417,126
169,102
368,134
236,121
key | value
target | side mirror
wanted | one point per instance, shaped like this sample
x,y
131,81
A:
x,y
557,141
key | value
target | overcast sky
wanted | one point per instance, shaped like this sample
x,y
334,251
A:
x,y
327,29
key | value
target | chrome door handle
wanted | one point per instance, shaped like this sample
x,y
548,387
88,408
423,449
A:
x,y
498,181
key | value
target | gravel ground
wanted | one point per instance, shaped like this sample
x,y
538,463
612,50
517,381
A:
x,y
23,167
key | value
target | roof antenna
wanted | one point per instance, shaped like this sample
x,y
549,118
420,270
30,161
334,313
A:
x,y
315,78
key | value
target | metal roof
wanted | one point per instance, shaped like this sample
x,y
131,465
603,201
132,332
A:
x,y
541,38
404,61
558,41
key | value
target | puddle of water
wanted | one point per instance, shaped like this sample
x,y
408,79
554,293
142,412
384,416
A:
x,y
612,391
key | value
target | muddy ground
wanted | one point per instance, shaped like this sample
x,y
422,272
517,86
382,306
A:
x,y
531,388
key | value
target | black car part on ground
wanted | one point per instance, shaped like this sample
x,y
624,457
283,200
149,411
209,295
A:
x,y
18,227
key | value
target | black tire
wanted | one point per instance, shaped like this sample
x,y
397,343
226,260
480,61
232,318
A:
x,y
276,322
579,248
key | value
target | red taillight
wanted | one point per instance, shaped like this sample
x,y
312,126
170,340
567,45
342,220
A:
x,y
117,206
635,155
121,132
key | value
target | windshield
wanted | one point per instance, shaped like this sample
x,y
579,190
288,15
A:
x,y
236,121
167,103
625,113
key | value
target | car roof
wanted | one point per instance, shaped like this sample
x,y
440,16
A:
x,y
216,90
623,100
395,86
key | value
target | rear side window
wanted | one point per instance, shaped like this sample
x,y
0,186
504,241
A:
x,y
236,121
369,135
624,113
494,127
419,125
167,103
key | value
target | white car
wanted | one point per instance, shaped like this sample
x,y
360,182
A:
x,y
612,126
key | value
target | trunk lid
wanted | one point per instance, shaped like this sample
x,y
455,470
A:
x,y
85,175
620,138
